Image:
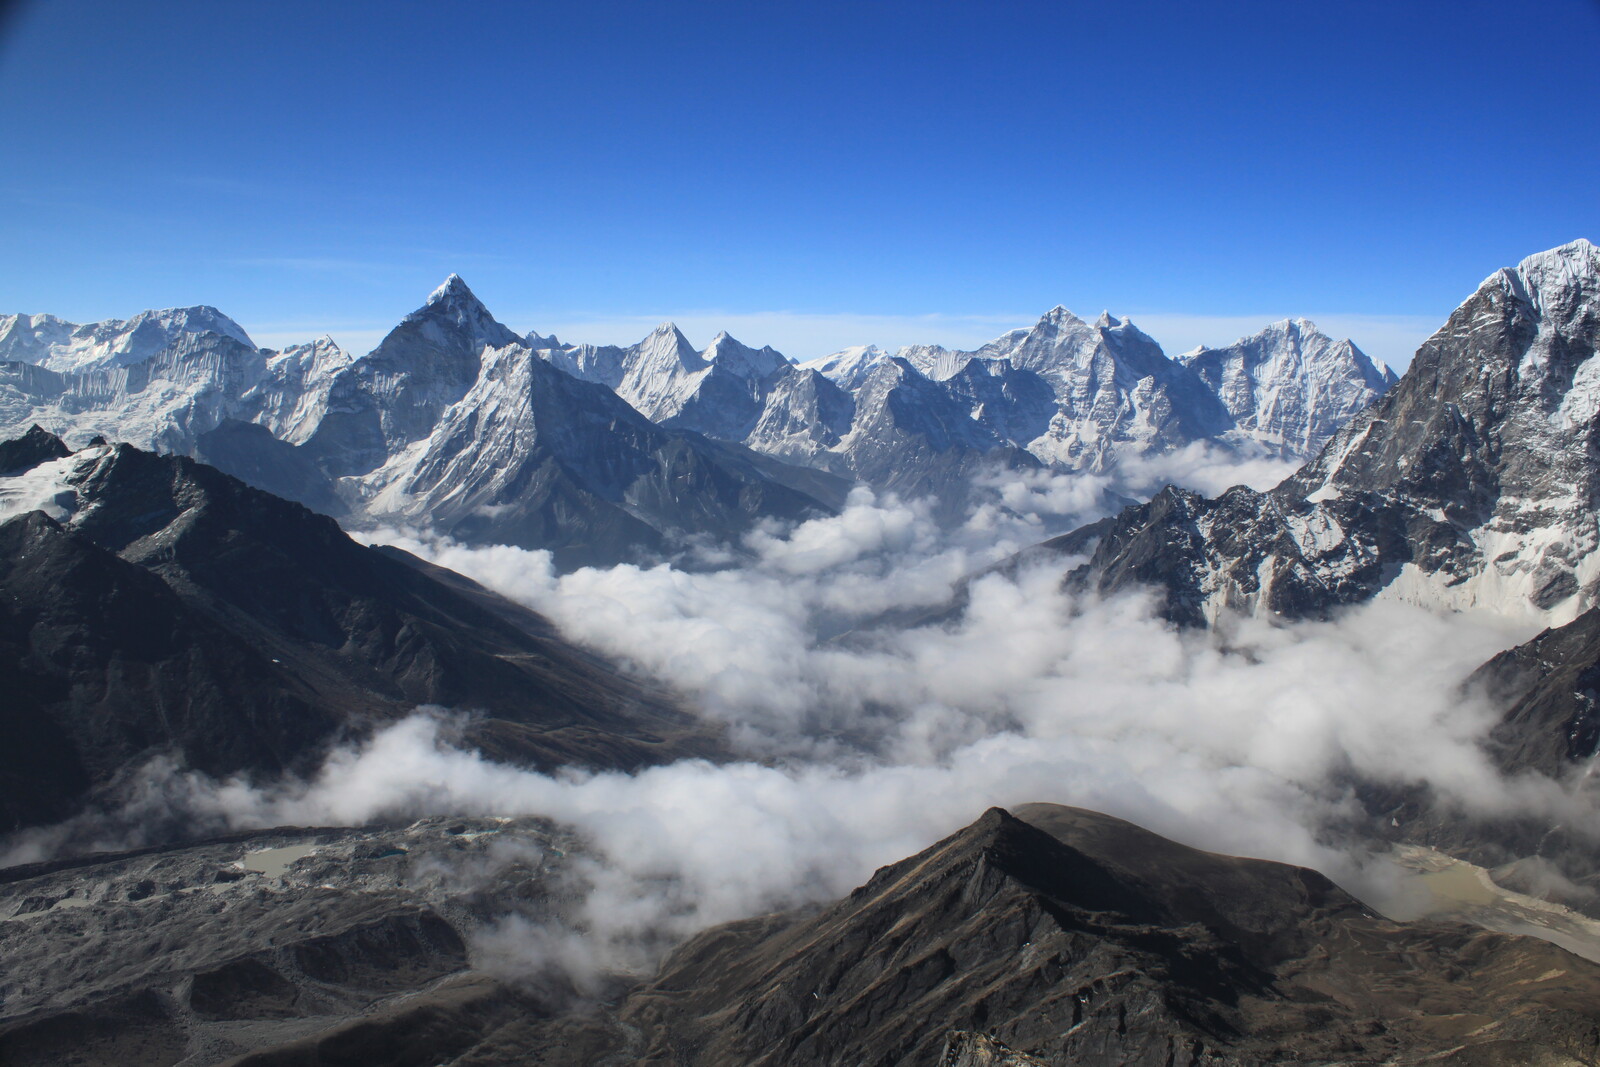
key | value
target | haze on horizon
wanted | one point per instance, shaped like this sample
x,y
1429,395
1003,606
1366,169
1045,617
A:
x,y
807,178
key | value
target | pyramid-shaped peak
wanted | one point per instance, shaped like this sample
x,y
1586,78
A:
x,y
454,289
667,334
453,307
666,346
1059,314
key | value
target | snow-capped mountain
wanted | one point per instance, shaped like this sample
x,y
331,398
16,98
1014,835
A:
x,y
534,457
887,425
911,436
70,348
167,401
447,421
1473,483
1291,385
1081,395
452,421
664,374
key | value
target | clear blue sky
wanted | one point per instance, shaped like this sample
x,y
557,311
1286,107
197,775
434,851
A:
x,y
804,172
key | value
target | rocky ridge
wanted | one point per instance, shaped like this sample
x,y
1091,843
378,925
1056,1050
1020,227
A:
x,y
1051,937
1473,483
153,606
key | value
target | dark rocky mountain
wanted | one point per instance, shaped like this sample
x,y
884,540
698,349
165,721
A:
x,y
1073,938
1474,481
31,449
1549,688
169,608
1062,937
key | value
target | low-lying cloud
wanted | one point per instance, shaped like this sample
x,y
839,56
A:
x,y
862,742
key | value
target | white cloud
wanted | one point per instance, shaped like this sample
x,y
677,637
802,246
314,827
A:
x,y
860,749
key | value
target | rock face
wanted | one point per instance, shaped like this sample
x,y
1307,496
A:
x,y
1291,386
1549,688
158,606
1473,482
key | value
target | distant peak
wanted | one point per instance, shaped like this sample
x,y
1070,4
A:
x,y
453,288
1059,316
1580,249
1292,325
1567,269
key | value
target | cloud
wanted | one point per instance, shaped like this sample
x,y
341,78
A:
x,y
860,746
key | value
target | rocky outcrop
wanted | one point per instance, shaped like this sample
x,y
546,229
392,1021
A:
x,y
1472,483
1070,938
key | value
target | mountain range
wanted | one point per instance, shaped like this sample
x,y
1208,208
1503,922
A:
x,y
457,424
1472,484
155,606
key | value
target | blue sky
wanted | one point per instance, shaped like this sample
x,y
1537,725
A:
x,y
808,175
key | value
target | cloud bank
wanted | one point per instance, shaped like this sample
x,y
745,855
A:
x,y
862,743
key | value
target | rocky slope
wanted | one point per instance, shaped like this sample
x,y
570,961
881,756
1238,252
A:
x,y
151,605
1073,938
1546,738
1474,482
203,953
1055,937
